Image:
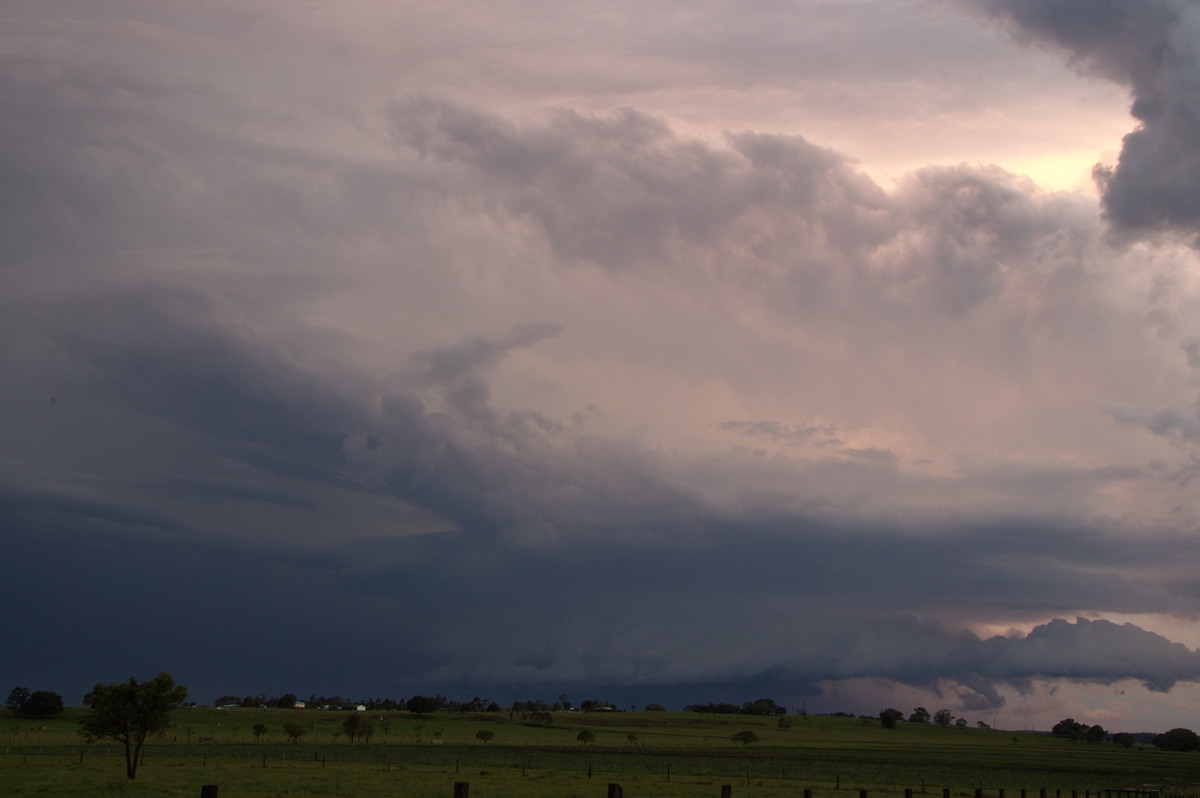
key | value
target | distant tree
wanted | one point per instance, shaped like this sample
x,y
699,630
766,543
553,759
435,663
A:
x,y
586,737
130,712
890,717
919,715
961,723
1096,734
981,725
43,704
227,700
1123,739
485,735
654,708
1177,740
16,699
356,725
784,722
943,717
1068,727
745,737
423,705
259,730
760,706
294,732
565,701
632,738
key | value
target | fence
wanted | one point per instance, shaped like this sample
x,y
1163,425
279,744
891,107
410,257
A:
x,y
462,789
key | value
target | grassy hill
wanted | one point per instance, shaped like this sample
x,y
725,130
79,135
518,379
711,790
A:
x,y
651,754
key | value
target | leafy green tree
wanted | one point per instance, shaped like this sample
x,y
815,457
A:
x,y
890,717
294,732
1177,740
43,704
357,725
16,699
259,730
761,706
586,737
485,736
423,705
130,712
919,715
1096,734
943,717
745,737
1068,727
1123,739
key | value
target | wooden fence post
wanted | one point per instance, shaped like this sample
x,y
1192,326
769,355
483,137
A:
x,y
862,794
208,791
945,792
808,794
726,791
462,789
615,791
908,792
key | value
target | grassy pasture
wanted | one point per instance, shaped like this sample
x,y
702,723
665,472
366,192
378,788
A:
x,y
652,755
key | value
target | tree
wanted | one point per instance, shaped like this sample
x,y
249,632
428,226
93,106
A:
x,y
1123,739
761,706
586,737
1096,734
943,717
130,712
16,699
294,732
745,737
259,730
484,736
423,705
43,704
890,717
1177,740
356,725
1068,727
919,715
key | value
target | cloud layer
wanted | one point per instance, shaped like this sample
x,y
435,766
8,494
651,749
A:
x,y
531,382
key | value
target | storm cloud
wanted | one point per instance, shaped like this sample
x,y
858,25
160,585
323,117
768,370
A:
x,y
537,381
1151,46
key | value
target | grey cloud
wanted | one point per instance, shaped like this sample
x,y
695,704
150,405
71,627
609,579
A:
x,y
1151,46
1173,421
819,435
625,193
326,337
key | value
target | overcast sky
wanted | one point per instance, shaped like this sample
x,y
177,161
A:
x,y
839,352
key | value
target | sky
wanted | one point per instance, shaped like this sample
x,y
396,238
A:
x,y
844,353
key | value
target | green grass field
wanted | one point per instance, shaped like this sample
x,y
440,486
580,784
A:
x,y
650,754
